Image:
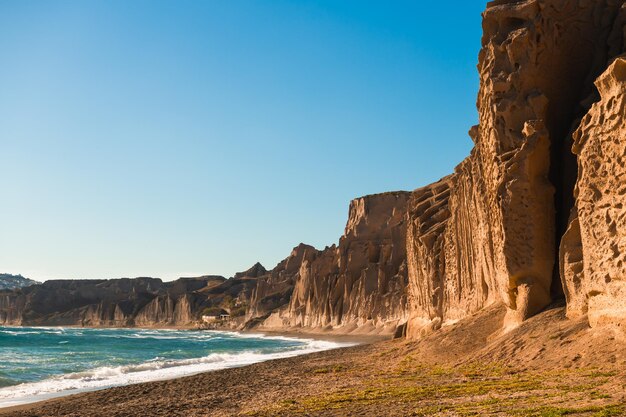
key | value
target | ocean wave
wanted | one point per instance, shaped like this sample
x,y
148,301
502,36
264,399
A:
x,y
158,335
151,370
27,332
142,336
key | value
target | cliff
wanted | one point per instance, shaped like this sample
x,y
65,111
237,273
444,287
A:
x,y
145,302
359,283
532,215
274,289
490,232
593,254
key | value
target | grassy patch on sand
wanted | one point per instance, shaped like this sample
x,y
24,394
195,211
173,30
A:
x,y
469,390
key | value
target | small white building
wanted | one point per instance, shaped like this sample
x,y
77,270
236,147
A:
x,y
212,319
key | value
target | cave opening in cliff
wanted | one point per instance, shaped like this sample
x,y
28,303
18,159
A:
x,y
562,175
564,116
564,113
583,54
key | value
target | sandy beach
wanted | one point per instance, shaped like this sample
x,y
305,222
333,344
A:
x,y
335,338
466,369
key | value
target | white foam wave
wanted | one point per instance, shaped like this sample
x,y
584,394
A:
x,y
25,332
152,370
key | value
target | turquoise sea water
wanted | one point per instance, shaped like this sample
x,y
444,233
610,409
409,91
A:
x,y
41,362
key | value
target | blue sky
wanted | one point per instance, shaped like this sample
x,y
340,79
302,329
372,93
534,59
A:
x,y
177,138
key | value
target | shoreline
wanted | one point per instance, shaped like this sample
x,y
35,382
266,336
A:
x,y
353,340
142,386
463,369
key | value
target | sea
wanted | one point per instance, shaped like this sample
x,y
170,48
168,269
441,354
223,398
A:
x,y
38,363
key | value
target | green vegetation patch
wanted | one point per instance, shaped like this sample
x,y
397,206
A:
x,y
613,410
330,369
470,390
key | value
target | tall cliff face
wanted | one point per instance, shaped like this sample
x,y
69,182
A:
x,y
361,281
427,216
169,310
489,233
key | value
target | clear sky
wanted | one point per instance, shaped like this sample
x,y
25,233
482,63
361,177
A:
x,y
178,138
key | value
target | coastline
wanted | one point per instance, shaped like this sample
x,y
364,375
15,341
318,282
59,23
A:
x,y
346,340
464,369
67,404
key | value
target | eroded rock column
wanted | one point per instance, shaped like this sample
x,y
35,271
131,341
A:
x,y
594,260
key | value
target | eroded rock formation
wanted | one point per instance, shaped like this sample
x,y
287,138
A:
x,y
489,232
146,302
361,282
593,258
274,289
